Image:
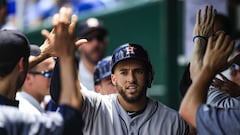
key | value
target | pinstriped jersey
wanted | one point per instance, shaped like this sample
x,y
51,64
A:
x,y
222,99
14,122
103,115
66,121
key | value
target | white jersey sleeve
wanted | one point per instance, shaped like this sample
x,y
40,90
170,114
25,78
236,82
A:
x,y
15,122
222,99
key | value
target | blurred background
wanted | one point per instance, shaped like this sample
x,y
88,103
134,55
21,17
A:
x,y
163,27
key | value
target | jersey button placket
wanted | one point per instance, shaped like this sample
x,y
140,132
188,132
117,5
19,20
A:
x,y
132,128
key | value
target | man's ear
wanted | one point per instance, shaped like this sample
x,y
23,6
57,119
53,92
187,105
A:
x,y
97,88
21,65
113,78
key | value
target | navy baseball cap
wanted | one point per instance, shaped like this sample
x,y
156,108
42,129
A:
x,y
103,69
14,45
34,50
90,25
132,51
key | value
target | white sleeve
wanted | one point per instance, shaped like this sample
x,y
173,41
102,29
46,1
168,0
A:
x,y
222,99
15,122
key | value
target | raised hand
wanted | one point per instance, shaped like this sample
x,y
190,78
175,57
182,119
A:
x,y
217,53
64,30
202,30
204,26
63,41
47,46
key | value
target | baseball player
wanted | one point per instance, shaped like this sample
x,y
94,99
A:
x,y
129,111
14,53
205,27
206,119
102,77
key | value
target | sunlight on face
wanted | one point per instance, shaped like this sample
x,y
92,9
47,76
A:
x,y
131,80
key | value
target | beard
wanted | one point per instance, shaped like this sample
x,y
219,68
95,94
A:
x,y
134,99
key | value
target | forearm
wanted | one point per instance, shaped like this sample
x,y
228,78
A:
x,y
199,49
34,60
196,95
197,56
70,93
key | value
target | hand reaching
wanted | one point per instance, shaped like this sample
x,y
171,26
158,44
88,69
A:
x,y
230,87
203,28
47,47
64,30
217,53
63,41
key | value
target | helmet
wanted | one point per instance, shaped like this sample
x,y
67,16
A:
x,y
102,69
132,51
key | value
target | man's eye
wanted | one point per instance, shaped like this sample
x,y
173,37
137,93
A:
x,y
123,72
140,71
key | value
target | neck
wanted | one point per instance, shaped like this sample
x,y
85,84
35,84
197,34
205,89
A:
x,y
89,66
7,87
132,107
36,96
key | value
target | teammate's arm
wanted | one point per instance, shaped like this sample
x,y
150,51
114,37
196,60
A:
x,y
215,60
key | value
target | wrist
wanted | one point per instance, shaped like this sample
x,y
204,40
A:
x,y
209,71
200,38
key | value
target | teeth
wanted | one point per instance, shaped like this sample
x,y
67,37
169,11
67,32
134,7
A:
x,y
131,87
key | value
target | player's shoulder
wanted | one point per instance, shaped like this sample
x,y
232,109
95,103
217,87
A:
x,y
163,108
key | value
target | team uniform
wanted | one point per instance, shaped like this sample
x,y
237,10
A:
x,y
215,97
222,99
13,122
102,114
209,119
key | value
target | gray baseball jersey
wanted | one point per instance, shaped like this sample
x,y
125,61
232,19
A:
x,y
222,99
103,115
215,121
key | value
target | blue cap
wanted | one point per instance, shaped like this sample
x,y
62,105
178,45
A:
x,y
132,51
103,69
